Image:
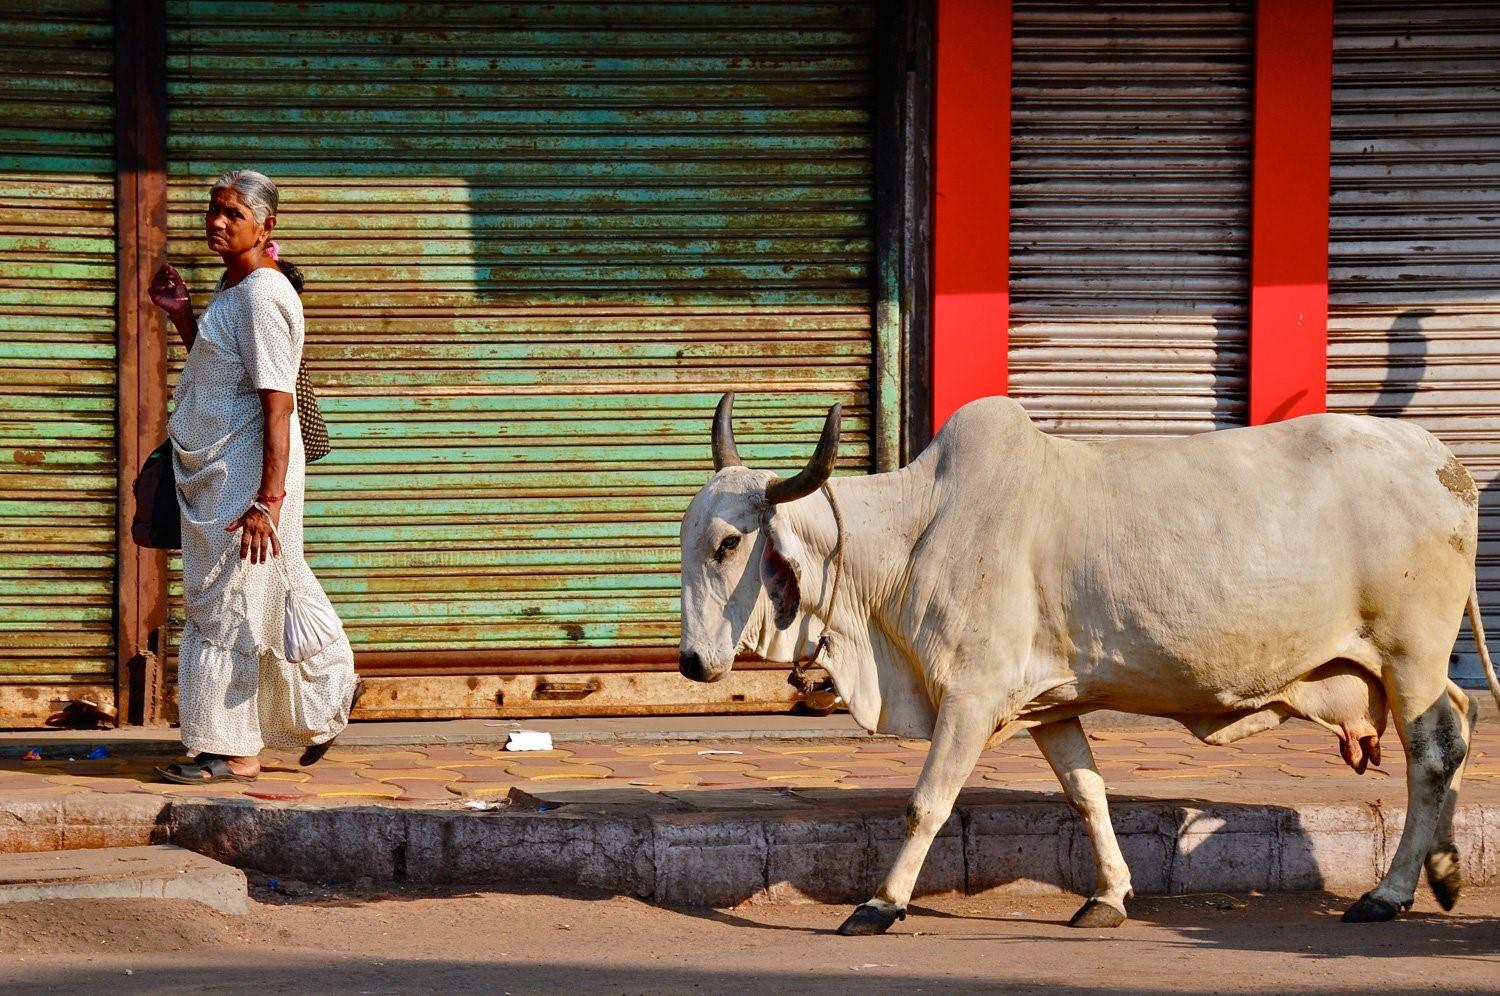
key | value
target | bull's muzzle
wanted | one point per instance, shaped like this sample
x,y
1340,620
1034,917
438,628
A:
x,y
693,667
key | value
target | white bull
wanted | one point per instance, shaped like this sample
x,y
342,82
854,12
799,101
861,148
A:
x,y
1007,580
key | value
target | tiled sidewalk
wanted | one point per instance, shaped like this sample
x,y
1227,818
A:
x,y
1298,761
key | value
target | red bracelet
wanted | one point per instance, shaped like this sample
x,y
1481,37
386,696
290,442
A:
x,y
268,499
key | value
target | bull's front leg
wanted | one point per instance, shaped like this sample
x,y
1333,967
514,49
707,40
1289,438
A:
x,y
1066,748
959,735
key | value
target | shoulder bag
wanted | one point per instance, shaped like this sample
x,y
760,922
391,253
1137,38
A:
x,y
157,522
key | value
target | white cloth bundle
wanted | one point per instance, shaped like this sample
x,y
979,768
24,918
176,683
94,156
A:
x,y
309,624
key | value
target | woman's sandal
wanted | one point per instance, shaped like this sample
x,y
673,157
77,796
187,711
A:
x,y
312,755
192,772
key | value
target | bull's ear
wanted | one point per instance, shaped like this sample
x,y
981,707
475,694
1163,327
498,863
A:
x,y
781,572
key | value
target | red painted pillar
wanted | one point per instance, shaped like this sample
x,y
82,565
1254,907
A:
x,y
971,215
1289,209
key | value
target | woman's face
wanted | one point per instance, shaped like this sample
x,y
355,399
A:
x,y
231,226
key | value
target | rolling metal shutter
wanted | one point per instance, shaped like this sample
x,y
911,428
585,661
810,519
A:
x,y
1414,242
57,357
540,240
1130,200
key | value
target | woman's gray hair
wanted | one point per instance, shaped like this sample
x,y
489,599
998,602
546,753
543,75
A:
x,y
255,189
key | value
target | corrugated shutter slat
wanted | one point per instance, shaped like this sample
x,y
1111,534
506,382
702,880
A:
x,y
57,350
1414,263
540,240
1130,169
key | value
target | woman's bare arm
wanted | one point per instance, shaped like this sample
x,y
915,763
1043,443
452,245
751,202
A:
x,y
256,539
277,408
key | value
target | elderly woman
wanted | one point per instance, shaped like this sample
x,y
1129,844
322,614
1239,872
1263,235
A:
x,y
240,470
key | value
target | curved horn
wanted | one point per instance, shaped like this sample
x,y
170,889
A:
x,y
811,477
725,452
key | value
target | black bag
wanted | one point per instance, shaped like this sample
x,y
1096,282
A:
x,y
157,522
310,418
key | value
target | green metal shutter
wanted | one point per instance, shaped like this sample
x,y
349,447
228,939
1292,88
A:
x,y
540,241
57,356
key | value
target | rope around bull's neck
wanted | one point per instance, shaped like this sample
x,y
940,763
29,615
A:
x,y
798,679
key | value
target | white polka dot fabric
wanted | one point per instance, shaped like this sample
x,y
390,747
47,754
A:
x,y
236,691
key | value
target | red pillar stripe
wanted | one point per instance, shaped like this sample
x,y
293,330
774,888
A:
x,y
971,215
1289,209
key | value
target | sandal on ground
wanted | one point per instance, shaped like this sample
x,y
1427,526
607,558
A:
x,y
312,755
216,769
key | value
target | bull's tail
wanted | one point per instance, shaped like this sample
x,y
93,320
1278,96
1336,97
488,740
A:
x,y
1477,625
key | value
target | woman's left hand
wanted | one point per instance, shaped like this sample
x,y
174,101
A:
x,y
257,540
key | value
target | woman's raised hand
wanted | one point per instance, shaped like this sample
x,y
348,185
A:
x,y
170,293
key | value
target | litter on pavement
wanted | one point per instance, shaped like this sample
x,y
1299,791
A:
x,y
529,740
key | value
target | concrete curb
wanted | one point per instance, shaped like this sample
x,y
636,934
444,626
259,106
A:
x,y
155,872
54,821
823,853
827,851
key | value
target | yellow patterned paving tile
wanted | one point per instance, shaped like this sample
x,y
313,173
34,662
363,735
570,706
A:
x,y
78,779
665,781
217,790
661,750
1011,777
1152,774
862,761
150,785
1115,736
377,790
727,766
503,755
479,789
539,772
449,753
482,753
44,789
822,779
360,756
794,748
563,770
285,776
561,776
803,777
414,774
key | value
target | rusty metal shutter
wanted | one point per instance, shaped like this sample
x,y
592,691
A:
x,y
1130,200
540,240
57,357
1414,242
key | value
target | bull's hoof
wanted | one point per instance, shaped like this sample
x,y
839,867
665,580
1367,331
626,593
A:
x,y
1371,910
1095,913
867,920
1445,876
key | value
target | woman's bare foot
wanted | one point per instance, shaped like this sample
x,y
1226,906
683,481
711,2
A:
x,y
247,766
210,768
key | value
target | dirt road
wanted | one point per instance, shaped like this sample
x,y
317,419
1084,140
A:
x,y
384,941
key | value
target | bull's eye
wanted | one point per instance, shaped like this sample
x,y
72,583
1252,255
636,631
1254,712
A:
x,y
729,543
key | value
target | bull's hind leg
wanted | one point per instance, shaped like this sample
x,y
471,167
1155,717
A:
x,y
960,734
1443,872
1066,748
1432,731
